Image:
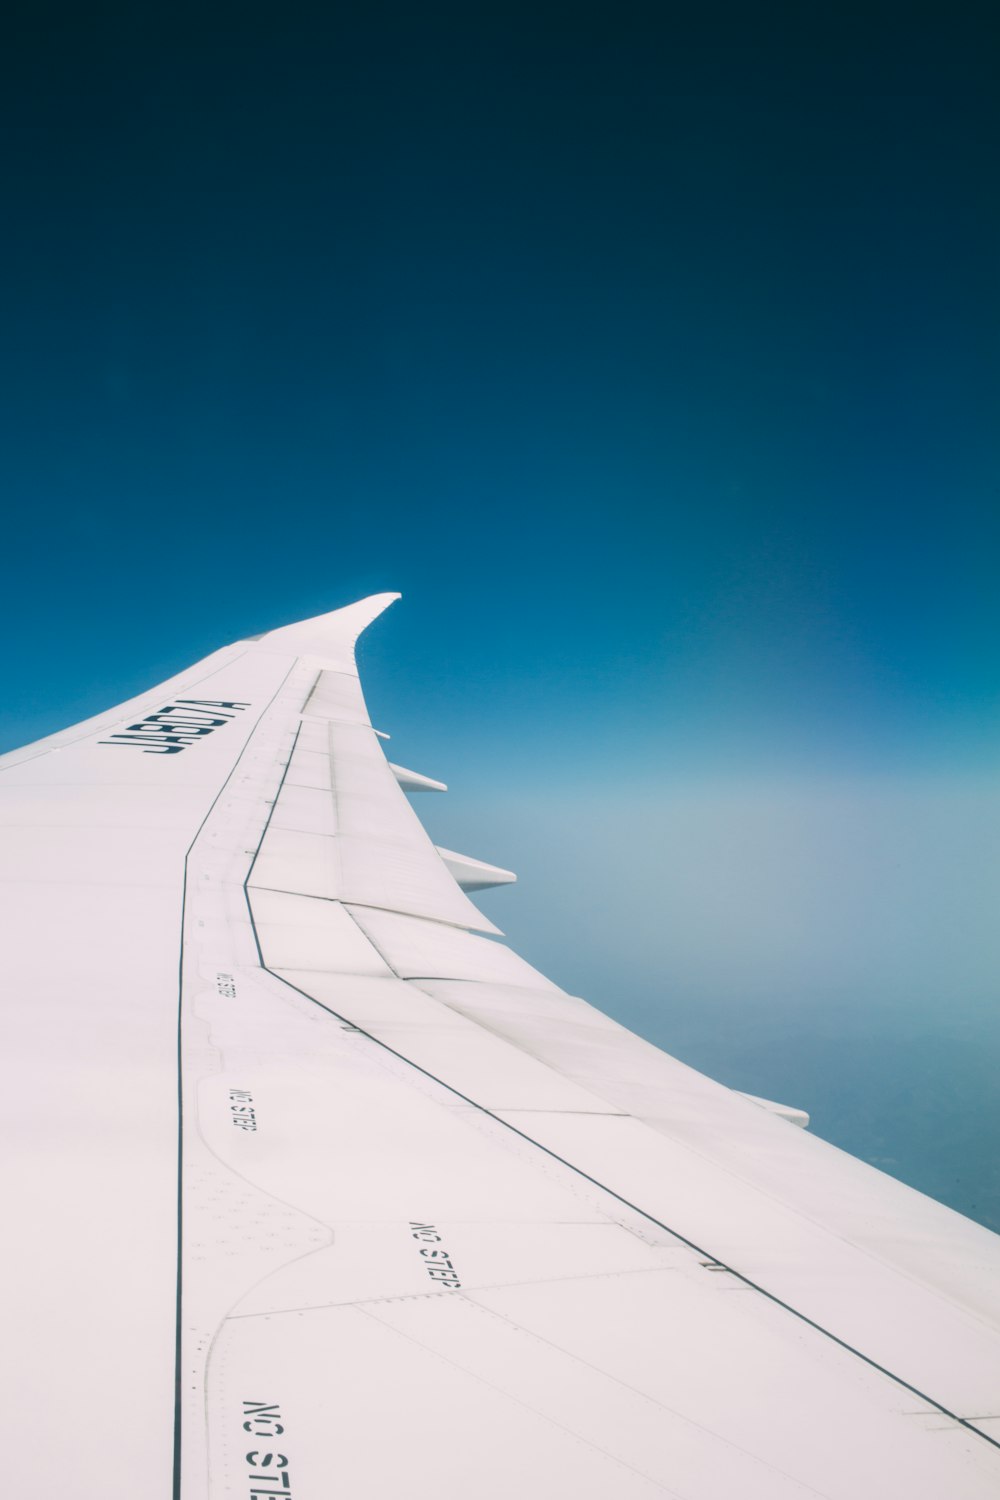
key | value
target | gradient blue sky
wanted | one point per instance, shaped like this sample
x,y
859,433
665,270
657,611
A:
x,y
653,356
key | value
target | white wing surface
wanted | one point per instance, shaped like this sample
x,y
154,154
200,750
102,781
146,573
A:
x,y
314,1188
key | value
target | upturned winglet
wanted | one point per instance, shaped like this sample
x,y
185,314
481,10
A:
x,y
330,637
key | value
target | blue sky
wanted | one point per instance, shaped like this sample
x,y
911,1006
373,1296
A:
x,y
654,358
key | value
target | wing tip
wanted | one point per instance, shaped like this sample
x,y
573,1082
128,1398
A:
x,y
331,635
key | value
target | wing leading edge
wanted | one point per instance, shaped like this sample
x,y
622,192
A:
x,y
368,1201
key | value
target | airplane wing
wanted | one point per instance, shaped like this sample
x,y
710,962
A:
x,y
314,1188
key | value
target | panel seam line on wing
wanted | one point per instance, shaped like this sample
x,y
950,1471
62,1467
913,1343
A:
x,y
180,1082
507,1125
676,1234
